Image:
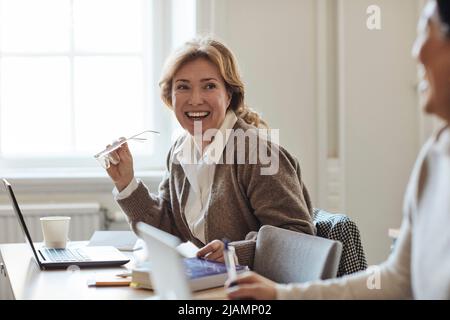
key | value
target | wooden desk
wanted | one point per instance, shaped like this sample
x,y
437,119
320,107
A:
x,y
28,282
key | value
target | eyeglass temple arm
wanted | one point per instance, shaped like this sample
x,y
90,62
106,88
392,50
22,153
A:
x,y
134,136
111,148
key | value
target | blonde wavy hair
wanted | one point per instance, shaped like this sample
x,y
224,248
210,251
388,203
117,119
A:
x,y
222,57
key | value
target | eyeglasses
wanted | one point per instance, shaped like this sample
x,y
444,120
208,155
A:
x,y
104,157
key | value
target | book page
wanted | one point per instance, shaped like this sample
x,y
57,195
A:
x,y
188,249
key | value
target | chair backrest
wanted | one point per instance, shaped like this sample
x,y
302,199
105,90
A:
x,y
341,228
286,256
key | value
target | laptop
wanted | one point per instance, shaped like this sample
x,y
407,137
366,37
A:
x,y
167,269
48,258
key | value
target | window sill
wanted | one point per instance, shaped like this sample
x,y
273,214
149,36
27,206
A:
x,y
73,181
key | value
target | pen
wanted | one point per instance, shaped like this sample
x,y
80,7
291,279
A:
x,y
228,254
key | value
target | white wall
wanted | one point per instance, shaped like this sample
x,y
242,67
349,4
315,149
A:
x,y
380,116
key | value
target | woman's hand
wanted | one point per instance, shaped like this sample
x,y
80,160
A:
x,y
212,251
251,285
121,169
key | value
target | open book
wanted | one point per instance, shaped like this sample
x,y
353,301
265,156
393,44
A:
x,y
202,274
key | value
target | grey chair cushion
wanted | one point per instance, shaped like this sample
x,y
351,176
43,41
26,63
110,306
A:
x,y
286,256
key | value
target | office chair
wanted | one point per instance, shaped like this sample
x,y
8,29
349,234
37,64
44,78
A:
x,y
286,256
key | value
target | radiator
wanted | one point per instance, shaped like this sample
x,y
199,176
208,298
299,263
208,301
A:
x,y
85,219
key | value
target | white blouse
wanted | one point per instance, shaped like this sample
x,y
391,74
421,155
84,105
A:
x,y
200,174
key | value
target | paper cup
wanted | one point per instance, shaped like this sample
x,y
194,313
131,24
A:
x,y
55,231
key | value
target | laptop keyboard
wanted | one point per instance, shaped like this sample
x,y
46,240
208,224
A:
x,y
66,255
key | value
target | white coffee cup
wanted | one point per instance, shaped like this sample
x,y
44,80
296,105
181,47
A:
x,y
55,231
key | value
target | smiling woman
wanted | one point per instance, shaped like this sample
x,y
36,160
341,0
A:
x,y
207,200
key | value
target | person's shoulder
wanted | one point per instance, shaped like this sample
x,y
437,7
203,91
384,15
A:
x,y
253,138
241,124
442,140
419,175
434,140
258,141
264,135
267,135
442,134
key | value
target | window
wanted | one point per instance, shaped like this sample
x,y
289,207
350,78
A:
x,y
76,74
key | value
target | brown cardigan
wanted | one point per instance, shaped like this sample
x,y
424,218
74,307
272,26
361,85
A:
x,y
242,200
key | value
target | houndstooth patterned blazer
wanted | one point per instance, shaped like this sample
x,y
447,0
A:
x,y
339,227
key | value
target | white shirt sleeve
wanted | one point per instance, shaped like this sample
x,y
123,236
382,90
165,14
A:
x,y
125,193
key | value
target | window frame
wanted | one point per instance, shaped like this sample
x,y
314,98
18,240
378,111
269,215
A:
x,y
157,116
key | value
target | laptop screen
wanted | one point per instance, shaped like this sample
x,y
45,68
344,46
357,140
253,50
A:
x,y
19,215
167,269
